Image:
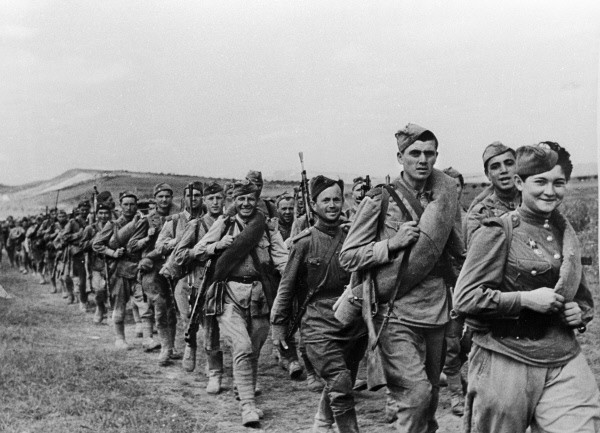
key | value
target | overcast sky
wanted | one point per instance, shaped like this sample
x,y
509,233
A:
x,y
216,88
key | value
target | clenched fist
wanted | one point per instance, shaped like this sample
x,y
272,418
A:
x,y
407,234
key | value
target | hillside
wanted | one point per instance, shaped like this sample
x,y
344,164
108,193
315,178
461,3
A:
x,y
77,184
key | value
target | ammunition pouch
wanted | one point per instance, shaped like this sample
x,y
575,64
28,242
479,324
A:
x,y
215,298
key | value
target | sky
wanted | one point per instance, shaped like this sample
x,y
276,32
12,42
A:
x,y
217,88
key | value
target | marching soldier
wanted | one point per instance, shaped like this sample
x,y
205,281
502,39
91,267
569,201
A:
x,y
314,278
266,206
111,242
102,269
285,213
78,271
359,185
250,250
185,262
398,236
153,294
62,262
47,233
36,242
502,196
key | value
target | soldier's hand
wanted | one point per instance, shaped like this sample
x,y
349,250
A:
x,y
543,300
280,343
225,242
119,252
151,231
273,224
572,315
406,235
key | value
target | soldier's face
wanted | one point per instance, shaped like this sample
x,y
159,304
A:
x,y
542,193
128,207
52,214
103,215
501,171
328,205
285,210
196,198
245,205
84,211
163,199
418,160
61,217
459,187
358,193
214,203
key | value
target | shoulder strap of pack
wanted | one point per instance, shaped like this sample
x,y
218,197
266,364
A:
x,y
392,192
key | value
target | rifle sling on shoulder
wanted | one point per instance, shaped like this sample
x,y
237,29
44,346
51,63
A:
x,y
312,291
404,263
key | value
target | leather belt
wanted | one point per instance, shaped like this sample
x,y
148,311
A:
x,y
246,279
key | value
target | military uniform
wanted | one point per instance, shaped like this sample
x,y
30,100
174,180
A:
x,y
47,233
334,351
114,235
491,206
152,292
512,345
244,320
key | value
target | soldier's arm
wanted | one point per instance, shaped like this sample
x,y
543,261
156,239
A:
x,y
140,238
584,299
477,288
86,239
207,247
278,250
164,244
281,312
102,239
472,222
361,250
182,254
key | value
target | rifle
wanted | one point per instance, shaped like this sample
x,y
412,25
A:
x,y
296,210
304,184
196,313
56,202
88,255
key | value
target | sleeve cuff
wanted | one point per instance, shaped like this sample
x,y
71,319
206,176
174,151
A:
x,y
510,303
278,332
381,252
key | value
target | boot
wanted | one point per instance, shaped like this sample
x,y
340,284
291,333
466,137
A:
x,y
148,344
120,342
189,358
324,417
250,414
346,422
174,353
295,370
83,307
166,349
98,316
313,382
457,401
139,329
215,365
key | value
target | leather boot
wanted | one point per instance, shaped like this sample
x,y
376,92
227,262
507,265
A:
x,y
313,382
148,344
457,401
250,414
215,375
120,342
166,349
189,358
346,422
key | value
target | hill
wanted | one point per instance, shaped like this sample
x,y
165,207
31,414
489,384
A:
x,y
77,184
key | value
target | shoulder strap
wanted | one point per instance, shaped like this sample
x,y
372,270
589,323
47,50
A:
x,y
410,198
390,189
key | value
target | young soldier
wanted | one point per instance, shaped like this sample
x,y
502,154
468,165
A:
x,y
111,242
184,261
398,236
314,278
78,272
285,213
266,206
153,294
249,246
358,193
502,196
47,233
63,260
102,270
36,243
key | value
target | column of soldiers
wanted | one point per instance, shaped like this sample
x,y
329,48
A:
x,y
375,282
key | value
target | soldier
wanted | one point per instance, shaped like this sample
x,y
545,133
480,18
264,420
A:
x,y
153,294
398,236
285,213
62,261
502,196
185,261
314,278
47,233
36,242
264,205
359,188
102,269
78,270
523,291
105,197
111,242
249,248
228,191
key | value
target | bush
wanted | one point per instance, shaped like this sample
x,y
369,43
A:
x,y
578,213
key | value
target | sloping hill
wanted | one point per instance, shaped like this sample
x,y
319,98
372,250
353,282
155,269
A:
x,y
78,184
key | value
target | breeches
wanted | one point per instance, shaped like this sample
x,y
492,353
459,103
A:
x,y
337,361
507,396
155,302
79,277
412,361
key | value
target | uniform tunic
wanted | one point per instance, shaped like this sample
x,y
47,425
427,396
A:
x,y
490,206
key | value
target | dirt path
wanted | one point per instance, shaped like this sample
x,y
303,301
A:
x,y
288,405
